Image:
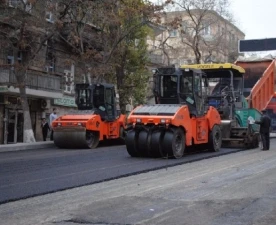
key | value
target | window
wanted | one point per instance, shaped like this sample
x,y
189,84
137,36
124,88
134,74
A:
x,y
84,97
50,57
233,38
229,36
168,86
186,88
197,85
185,26
50,62
206,29
109,101
69,82
222,30
219,30
18,3
13,3
50,8
186,83
173,33
109,96
11,61
86,79
49,17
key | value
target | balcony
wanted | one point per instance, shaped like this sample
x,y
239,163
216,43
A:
x,y
38,84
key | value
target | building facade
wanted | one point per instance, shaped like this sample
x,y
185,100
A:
x,y
46,89
216,38
49,80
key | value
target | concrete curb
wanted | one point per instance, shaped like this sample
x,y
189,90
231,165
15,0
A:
x,y
26,146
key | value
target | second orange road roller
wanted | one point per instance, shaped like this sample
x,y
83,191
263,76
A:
x,y
96,119
179,120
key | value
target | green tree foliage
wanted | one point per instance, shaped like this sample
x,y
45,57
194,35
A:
x,y
130,57
121,57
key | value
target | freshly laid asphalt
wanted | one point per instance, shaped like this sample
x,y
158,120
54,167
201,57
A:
x,y
43,168
34,172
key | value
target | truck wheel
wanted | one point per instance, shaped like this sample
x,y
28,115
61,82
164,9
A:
x,y
142,143
92,139
215,139
255,141
154,146
174,143
131,143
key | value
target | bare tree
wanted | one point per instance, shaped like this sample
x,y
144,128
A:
x,y
18,39
202,27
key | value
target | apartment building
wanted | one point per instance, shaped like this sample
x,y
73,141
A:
x,y
49,81
216,37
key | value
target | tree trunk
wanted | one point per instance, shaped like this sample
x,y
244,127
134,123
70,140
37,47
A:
x,y
28,135
122,99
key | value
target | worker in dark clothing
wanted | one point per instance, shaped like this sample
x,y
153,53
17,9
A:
x,y
265,124
45,128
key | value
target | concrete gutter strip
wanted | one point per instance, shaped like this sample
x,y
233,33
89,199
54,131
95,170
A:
x,y
26,146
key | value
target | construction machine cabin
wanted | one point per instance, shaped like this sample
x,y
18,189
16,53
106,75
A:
x,y
179,120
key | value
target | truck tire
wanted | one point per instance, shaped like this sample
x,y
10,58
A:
x,y
92,139
155,144
142,143
215,139
131,143
174,143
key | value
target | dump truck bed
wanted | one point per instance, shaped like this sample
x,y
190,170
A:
x,y
259,81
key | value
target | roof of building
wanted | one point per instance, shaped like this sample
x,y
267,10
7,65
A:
x,y
211,12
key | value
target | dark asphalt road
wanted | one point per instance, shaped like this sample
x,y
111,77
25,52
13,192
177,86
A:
x,y
36,172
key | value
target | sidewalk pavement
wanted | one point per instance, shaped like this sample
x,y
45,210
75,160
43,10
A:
x,y
43,144
27,146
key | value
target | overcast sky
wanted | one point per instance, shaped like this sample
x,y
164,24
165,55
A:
x,y
256,18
